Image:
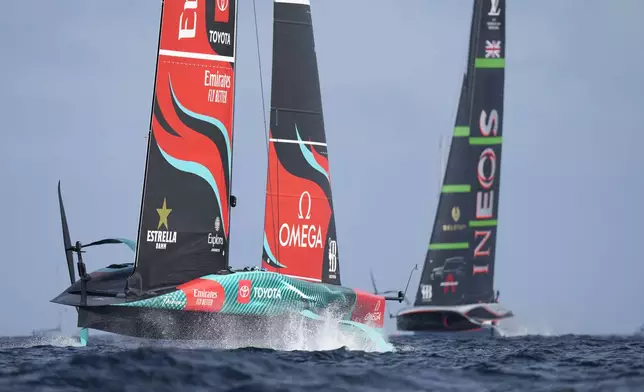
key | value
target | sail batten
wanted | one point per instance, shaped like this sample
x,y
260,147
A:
x,y
460,259
193,55
303,2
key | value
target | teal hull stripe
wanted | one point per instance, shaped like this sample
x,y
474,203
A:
x,y
198,170
308,155
208,119
267,249
297,296
83,335
129,243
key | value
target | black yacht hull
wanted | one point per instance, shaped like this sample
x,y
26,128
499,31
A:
x,y
483,332
475,319
167,324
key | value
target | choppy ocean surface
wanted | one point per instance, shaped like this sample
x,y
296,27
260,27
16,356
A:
x,y
521,363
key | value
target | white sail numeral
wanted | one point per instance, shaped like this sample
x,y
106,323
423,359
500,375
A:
x,y
426,292
333,256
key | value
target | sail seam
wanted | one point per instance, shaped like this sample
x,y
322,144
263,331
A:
x,y
302,2
198,56
275,140
297,110
292,22
209,66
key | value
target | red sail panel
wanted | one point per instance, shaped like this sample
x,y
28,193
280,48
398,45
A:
x,y
185,218
298,214
299,229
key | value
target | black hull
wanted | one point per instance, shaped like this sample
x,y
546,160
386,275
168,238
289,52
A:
x,y
446,319
185,325
436,321
484,332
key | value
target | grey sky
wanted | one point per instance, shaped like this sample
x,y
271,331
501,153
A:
x,y
77,85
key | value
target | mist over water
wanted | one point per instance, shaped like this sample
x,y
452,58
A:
x,y
515,326
284,333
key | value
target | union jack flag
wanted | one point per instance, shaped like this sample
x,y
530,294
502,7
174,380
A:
x,y
492,49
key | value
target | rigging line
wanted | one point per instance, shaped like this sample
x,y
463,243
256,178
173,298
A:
x,y
267,136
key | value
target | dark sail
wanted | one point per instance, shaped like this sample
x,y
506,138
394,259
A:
x,y
299,226
459,267
184,224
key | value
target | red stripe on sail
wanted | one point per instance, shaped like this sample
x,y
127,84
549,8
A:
x,y
296,221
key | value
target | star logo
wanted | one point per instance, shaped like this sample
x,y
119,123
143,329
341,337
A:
x,y
163,212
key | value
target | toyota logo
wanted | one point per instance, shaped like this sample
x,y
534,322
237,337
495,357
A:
x,y
222,5
244,291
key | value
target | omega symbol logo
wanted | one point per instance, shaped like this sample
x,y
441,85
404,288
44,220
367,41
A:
x,y
300,214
